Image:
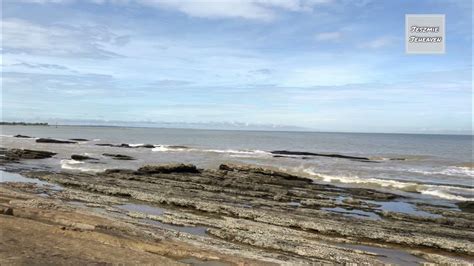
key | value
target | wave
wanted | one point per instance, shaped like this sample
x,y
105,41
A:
x,y
70,164
231,152
240,152
135,144
440,191
458,171
168,148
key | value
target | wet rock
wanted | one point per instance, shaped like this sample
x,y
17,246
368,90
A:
x,y
119,171
79,139
466,206
22,136
78,157
17,154
47,140
105,145
260,170
125,145
118,156
284,152
149,146
168,168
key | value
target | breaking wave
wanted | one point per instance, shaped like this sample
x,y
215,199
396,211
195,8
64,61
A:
x,y
231,152
440,191
450,171
70,164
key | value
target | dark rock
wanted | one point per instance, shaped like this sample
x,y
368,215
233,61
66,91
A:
x,y
303,153
149,146
118,156
79,139
466,206
45,140
104,145
119,171
168,168
263,171
78,157
6,211
125,145
22,136
16,154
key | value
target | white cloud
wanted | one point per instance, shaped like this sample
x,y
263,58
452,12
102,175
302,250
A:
x,y
20,36
379,42
264,10
248,9
328,36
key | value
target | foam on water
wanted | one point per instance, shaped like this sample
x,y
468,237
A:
x,y
70,164
456,171
440,191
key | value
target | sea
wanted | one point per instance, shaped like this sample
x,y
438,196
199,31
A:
x,y
436,167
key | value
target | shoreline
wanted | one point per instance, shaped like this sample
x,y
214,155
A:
x,y
259,214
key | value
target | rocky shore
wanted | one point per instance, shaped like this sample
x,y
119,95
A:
x,y
233,215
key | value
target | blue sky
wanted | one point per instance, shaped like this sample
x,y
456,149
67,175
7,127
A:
x,y
328,65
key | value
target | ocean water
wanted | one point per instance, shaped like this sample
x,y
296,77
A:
x,y
434,166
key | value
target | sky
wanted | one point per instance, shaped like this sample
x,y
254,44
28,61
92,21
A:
x,y
324,65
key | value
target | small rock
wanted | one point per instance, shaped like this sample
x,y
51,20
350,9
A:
x,y
6,211
79,139
46,140
22,136
118,156
168,168
16,154
81,157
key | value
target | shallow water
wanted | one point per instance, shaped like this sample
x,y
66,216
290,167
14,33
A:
x,y
14,177
433,166
354,213
389,256
403,207
153,210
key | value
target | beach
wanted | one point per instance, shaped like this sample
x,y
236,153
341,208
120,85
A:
x,y
163,196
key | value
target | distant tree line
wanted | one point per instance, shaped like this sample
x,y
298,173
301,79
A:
x,y
23,124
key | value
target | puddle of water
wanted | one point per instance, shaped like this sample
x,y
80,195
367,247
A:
x,y
152,210
194,230
354,213
14,177
132,207
200,262
389,256
294,204
403,207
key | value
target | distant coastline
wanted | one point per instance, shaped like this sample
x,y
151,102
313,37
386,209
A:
x,y
23,124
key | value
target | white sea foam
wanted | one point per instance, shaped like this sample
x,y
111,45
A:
x,y
135,145
169,148
440,191
231,152
70,164
450,171
239,152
